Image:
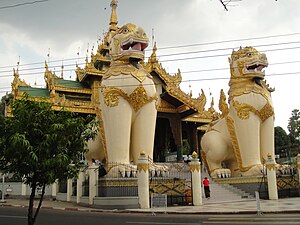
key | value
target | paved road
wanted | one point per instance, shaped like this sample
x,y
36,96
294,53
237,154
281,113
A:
x,y
17,216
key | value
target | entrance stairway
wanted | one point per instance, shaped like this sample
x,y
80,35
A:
x,y
224,193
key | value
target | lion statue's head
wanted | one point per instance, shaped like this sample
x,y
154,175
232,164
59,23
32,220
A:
x,y
128,43
248,63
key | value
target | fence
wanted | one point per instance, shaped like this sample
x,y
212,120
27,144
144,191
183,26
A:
x,y
176,184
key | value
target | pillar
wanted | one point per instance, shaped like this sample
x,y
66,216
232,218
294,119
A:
x,y
23,188
271,176
195,168
143,181
54,190
79,186
298,167
69,189
93,179
179,153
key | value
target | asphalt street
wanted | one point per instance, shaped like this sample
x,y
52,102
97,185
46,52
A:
x,y
17,216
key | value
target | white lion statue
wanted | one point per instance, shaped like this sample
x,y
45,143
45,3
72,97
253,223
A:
x,y
239,142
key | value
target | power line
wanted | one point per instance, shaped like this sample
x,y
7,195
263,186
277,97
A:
x,y
222,55
166,60
22,4
227,41
225,49
184,81
182,72
176,46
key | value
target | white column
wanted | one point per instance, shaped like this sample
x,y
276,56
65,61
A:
x,y
93,175
23,188
3,192
54,190
79,186
298,167
143,181
271,176
69,189
195,168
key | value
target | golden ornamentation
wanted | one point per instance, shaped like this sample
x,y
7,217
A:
x,y
298,166
129,182
238,180
235,144
223,106
171,84
169,187
195,167
137,99
121,67
284,183
243,111
271,166
164,106
194,155
203,156
102,131
142,167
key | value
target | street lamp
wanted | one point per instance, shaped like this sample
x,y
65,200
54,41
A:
x,y
2,199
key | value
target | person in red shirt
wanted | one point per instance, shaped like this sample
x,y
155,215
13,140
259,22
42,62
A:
x,y
206,187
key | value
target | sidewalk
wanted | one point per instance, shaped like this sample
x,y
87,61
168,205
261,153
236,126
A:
x,y
210,206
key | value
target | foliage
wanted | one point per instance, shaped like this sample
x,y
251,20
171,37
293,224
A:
x,y
41,146
294,126
186,148
282,142
294,131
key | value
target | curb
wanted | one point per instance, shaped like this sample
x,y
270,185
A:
x,y
149,211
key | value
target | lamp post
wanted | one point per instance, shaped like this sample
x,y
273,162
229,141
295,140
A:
x,y
2,199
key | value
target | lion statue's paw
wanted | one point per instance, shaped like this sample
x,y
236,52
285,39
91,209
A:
x,y
221,173
284,169
256,170
158,170
122,170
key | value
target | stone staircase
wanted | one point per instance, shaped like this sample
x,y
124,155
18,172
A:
x,y
224,193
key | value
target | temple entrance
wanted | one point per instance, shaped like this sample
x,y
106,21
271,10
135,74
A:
x,y
164,142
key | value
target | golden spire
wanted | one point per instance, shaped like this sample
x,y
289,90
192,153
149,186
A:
x,y
113,17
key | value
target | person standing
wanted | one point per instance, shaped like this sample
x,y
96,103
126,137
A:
x,y
206,187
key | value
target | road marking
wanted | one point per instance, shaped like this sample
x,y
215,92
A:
x,y
18,217
252,218
160,223
244,222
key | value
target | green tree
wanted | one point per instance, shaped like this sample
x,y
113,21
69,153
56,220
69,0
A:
x,y
294,131
41,145
282,142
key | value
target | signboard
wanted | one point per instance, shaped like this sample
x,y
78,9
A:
x,y
158,200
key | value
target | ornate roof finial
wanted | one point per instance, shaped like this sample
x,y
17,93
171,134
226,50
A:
x,y
113,17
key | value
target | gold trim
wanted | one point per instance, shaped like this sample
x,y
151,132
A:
x,y
142,167
223,106
203,156
271,166
195,167
243,111
238,180
137,99
235,144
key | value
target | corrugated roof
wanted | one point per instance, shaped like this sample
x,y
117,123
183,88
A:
x,y
68,83
35,92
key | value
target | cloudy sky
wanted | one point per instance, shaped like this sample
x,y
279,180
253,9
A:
x,y
196,36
